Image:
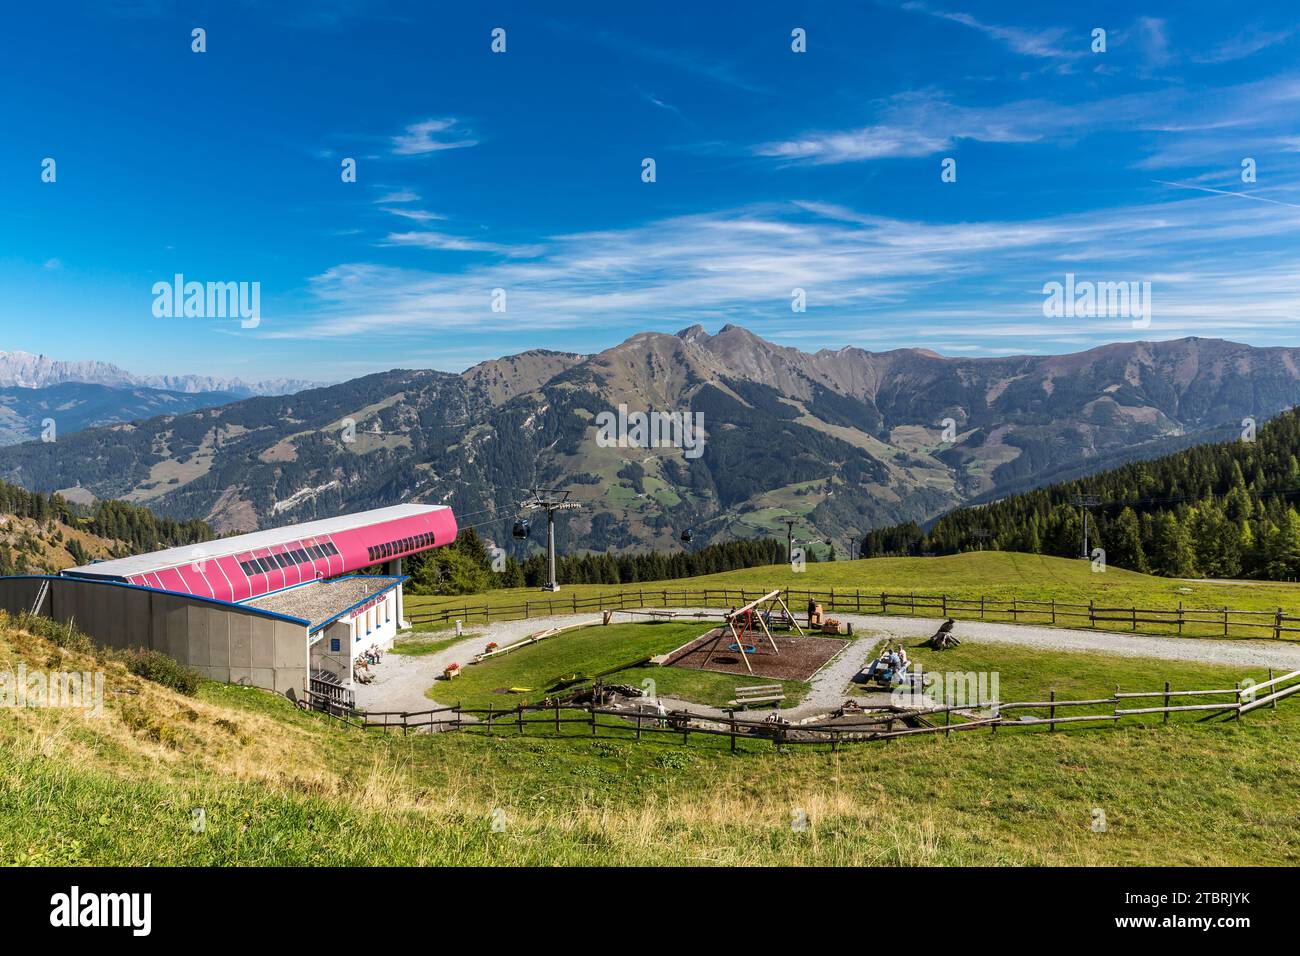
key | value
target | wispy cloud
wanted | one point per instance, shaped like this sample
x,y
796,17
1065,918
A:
x,y
1215,266
711,67
418,215
1049,42
1228,192
450,243
926,123
911,125
430,136
1243,45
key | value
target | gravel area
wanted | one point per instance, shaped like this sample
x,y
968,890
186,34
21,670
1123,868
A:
x,y
321,600
401,681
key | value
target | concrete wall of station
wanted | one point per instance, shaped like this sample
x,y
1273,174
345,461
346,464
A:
x,y
222,642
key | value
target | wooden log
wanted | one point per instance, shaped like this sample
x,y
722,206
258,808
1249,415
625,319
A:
x,y
1271,698
1172,710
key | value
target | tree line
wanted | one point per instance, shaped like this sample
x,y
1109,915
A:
x,y
134,528
466,566
1219,510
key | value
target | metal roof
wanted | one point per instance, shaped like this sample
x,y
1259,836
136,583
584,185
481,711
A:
x,y
139,564
323,602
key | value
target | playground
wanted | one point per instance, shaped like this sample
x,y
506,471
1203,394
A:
x,y
684,656
787,657
532,669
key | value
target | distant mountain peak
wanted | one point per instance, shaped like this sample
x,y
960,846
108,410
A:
x,y
25,370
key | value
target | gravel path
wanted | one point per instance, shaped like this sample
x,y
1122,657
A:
x,y
401,680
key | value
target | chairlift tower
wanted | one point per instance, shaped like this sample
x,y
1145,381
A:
x,y
1086,503
551,500
789,538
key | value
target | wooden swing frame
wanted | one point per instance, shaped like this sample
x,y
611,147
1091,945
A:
x,y
747,615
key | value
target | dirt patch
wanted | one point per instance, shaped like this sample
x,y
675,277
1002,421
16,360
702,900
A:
x,y
798,658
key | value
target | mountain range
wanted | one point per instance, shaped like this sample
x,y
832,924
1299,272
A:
x,y
844,440
25,370
36,390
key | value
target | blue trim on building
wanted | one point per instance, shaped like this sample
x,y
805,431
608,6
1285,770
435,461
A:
x,y
140,587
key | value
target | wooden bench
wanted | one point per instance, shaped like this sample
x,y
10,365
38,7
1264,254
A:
x,y
758,694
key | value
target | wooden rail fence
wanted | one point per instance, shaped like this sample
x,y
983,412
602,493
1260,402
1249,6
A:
x,y
552,715
1182,621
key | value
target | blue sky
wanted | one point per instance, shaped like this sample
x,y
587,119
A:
x,y
522,171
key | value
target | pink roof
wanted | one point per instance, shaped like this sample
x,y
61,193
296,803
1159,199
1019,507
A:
x,y
285,557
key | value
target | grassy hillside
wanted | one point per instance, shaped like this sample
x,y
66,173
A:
x,y
996,574
279,786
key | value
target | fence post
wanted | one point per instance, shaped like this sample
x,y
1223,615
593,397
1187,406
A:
x,y
1092,614
858,601
1225,620
947,722
638,723
884,603
1270,677
1135,617
1180,619
1053,610
731,717
519,716
593,716
1237,716
1051,714
1277,631
945,603
981,607
1166,702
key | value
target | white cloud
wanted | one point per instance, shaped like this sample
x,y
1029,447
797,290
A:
x,y
1047,42
444,241
1213,263
925,124
427,137
418,215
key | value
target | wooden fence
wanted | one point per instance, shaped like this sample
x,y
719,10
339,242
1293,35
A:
x,y
1182,621
552,716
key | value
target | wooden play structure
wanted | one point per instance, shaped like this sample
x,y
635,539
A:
x,y
740,625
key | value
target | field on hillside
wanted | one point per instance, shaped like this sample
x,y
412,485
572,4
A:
x,y
280,786
1000,575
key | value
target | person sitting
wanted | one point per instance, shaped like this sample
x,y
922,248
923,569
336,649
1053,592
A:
x,y
887,661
